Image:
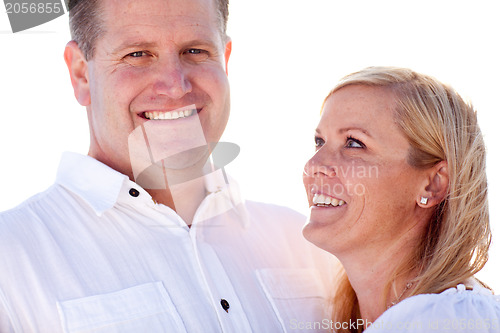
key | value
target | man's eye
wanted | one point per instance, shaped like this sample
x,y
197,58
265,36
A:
x,y
138,58
197,54
354,143
137,54
319,142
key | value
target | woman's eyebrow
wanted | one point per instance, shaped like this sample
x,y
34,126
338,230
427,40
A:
x,y
346,129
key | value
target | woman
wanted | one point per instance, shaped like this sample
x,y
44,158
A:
x,y
398,193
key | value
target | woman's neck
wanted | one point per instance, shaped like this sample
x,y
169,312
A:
x,y
370,273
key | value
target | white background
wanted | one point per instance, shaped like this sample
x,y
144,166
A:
x,y
287,54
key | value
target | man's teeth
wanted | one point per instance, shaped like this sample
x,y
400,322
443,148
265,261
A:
x,y
155,115
324,200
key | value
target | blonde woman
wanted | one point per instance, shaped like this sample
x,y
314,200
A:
x,y
398,193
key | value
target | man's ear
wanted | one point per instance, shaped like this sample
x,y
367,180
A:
x,y
435,185
78,72
227,52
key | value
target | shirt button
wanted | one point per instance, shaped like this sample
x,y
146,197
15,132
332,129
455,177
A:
x,y
133,192
225,305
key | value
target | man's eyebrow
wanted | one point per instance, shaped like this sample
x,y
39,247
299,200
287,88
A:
x,y
146,45
195,42
133,45
198,41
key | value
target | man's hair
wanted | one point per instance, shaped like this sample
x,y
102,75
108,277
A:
x,y
86,22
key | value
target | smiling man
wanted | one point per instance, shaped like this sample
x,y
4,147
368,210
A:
x,y
157,59
146,233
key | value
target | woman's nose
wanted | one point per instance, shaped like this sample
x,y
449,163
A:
x,y
316,167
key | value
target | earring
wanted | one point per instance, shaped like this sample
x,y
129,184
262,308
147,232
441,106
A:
x,y
423,200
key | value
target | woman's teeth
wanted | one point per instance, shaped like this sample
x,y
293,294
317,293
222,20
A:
x,y
326,201
155,115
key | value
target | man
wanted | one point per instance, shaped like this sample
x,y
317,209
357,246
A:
x,y
147,234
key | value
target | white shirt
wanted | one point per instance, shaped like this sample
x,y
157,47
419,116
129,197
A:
x,y
90,255
453,310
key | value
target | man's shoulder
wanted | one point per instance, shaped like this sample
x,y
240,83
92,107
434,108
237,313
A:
x,y
283,226
24,205
30,210
275,221
268,211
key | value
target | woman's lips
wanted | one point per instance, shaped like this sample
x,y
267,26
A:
x,y
323,200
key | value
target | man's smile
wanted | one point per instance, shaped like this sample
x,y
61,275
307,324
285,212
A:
x,y
169,115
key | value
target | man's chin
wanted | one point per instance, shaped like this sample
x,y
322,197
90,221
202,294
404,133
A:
x,y
174,170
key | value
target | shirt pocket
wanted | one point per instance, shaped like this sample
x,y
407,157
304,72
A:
x,y
297,297
143,308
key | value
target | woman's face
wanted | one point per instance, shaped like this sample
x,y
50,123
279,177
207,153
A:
x,y
361,190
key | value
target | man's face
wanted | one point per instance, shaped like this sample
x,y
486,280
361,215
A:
x,y
156,56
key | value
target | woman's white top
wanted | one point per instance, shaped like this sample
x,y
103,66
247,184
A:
x,y
453,310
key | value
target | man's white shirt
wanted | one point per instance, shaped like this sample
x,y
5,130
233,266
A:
x,y
95,253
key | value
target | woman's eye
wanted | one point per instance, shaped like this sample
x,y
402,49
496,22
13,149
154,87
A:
x,y
354,143
319,142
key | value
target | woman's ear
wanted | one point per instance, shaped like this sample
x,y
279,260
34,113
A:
x,y
435,186
78,72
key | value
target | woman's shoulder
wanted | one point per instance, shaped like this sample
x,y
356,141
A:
x,y
456,309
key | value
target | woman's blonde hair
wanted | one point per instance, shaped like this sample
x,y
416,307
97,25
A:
x,y
440,126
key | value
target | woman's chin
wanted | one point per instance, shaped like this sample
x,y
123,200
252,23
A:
x,y
319,233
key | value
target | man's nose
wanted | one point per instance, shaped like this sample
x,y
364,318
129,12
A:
x,y
172,79
319,166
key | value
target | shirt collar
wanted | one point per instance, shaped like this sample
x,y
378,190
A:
x,y
95,182
223,195
102,187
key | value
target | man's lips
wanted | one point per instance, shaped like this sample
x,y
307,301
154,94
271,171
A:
x,y
169,115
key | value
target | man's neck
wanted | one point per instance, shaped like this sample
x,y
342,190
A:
x,y
184,198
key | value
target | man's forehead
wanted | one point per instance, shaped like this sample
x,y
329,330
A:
x,y
160,13
128,34
159,7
